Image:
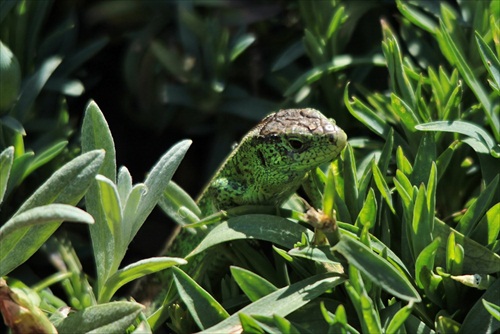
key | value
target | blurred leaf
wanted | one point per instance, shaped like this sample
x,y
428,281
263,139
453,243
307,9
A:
x,y
114,317
288,56
240,45
6,160
73,61
13,124
45,156
33,86
338,63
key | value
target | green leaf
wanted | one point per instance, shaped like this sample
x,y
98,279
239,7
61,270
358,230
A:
x,y
205,310
289,55
96,135
45,156
33,86
338,63
321,254
488,229
62,188
485,144
350,182
379,270
478,208
240,45
249,324
470,78
174,201
490,61
283,301
275,229
399,319
6,160
416,16
400,82
134,271
426,155
42,215
366,115
170,59
477,258
368,214
382,186
113,317
493,309
252,285
426,259
479,319
112,208
157,181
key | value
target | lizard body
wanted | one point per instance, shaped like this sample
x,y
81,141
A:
x,y
267,166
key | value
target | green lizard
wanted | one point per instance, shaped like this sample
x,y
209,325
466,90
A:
x,y
268,165
265,168
273,159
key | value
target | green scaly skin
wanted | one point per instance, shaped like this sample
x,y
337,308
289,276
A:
x,y
268,165
265,168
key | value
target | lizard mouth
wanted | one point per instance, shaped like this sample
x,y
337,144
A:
x,y
337,136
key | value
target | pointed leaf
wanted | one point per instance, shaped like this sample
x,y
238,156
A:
x,y
379,270
205,310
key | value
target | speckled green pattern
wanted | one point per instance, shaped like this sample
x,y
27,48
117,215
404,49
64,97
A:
x,y
273,159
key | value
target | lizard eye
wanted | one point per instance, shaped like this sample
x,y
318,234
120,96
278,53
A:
x,y
295,143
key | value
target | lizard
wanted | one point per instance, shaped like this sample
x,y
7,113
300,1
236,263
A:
x,y
267,166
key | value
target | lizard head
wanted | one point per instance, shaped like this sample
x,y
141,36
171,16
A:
x,y
302,139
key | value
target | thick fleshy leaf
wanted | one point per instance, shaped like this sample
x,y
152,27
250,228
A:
x,y
66,186
44,214
6,160
134,271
